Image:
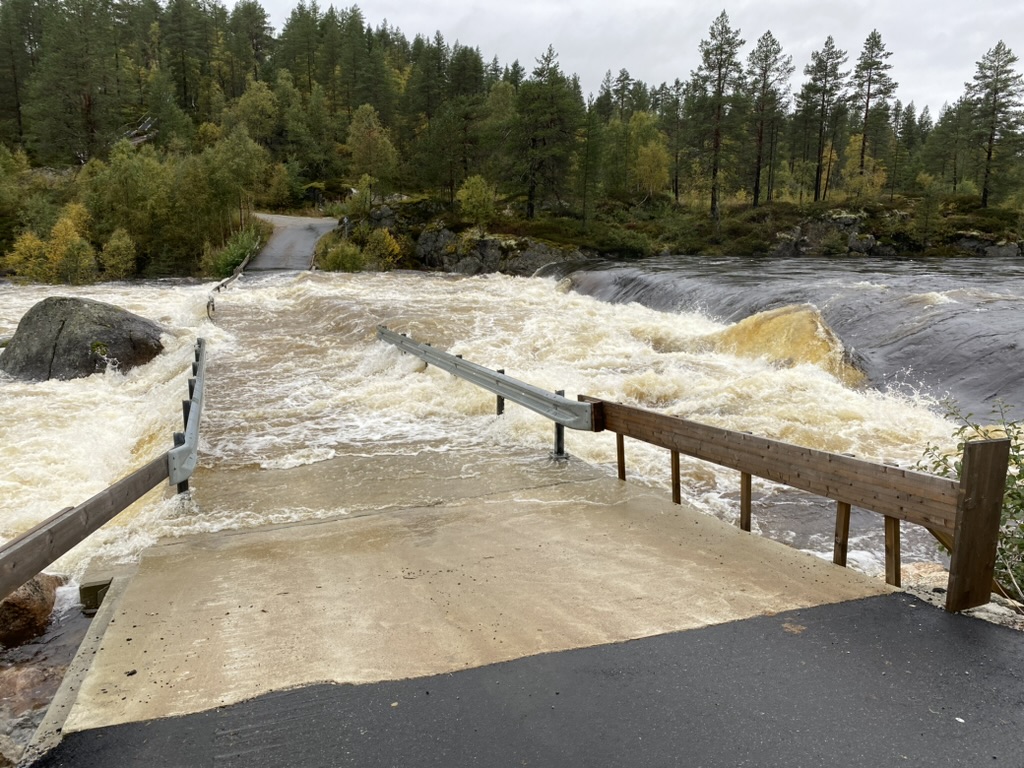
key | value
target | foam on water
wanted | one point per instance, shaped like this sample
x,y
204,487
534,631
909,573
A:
x,y
68,440
297,377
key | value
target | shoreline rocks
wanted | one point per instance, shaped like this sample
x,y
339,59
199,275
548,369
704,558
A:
x,y
474,253
25,613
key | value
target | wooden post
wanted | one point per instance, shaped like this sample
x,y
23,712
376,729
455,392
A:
x,y
976,534
620,452
745,501
501,400
677,497
842,539
892,551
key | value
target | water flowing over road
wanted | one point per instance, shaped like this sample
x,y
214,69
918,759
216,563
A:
x,y
298,383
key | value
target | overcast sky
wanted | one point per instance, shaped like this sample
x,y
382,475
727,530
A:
x,y
935,43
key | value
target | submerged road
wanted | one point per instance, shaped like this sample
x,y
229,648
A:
x,y
536,615
292,244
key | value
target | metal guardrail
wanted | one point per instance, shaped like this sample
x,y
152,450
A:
x,y
28,554
559,409
182,459
211,302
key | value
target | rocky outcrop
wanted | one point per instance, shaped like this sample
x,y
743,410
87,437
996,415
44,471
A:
x,y
840,233
471,254
68,338
25,613
978,244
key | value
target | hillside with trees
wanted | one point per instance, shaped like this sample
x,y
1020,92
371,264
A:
x,y
137,138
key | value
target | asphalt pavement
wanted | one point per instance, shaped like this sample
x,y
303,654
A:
x,y
880,681
292,244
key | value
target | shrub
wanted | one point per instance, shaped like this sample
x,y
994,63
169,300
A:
x,y
477,199
1010,551
342,256
118,256
222,262
383,249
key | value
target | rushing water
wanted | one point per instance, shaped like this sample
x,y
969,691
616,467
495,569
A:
x,y
299,389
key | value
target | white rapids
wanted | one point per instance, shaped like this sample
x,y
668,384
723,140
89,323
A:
x,y
297,378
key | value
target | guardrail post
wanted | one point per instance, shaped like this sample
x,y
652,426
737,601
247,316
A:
x,y
677,497
745,501
978,514
620,454
501,400
559,453
842,538
179,439
893,575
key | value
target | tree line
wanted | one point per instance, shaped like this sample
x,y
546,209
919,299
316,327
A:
x,y
165,124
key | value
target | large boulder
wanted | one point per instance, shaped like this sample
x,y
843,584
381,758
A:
x,y
68,338
25,613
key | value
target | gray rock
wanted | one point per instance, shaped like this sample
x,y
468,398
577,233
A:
x,y
470,255
861,243
1003,250
68,338
25,613
972,246
884,252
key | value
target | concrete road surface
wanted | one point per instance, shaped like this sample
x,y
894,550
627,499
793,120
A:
x,y
291,246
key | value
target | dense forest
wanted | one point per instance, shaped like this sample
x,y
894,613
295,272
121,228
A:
x,y
138,136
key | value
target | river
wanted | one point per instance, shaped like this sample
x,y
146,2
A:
x,y
305,407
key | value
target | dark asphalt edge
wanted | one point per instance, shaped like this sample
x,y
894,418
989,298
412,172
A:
x,y
878,681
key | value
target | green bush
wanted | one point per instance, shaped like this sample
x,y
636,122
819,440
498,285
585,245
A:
x,y
342,256
1010,551
222,262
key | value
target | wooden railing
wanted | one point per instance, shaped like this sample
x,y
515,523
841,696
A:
x,y
963,515
31,552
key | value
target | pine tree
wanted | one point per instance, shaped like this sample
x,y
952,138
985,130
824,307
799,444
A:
x,y
768,72
670,111
825,93
995,97
716,83
550,109
872,85
74,111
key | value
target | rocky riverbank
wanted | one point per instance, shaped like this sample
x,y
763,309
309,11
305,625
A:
x,y
437,239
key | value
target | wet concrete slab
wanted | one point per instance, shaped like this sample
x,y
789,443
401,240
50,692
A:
x,y
473,579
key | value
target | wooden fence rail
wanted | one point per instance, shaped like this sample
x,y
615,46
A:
x,y
963,514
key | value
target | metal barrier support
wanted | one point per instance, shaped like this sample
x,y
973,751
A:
x,y
182,459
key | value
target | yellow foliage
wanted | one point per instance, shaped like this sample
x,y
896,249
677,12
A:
x,y
71,259
28,258
118,256
79,217
382,248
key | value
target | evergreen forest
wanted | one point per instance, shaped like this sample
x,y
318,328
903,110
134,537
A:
x,y
137,137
